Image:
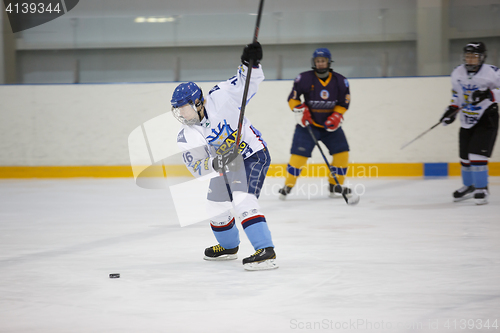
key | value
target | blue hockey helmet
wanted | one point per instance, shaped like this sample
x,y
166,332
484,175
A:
x,y
321,52
186,93
190,95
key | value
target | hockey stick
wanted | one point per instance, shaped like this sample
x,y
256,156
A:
x,y
421,135
245,94
350,201
247,81
418,137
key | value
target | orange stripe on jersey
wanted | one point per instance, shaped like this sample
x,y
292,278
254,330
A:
x,y
339,109
293,103
325,83
317,125
322,110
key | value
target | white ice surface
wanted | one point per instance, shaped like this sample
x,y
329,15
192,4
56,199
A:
x,y
406,259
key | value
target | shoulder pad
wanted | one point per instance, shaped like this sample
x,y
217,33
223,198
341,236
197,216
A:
x,y
181,137
455,71
338,74
215,88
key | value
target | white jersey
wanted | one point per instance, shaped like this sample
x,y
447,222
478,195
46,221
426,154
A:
x,y
217,131
465,84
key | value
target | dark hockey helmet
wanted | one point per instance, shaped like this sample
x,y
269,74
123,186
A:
x,y
473,51
186,101
321,52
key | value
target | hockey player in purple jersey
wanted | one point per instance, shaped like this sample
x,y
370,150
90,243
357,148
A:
x,y
206,139
326,98
476,90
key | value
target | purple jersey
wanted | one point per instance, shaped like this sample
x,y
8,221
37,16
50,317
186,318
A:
x,y
321,96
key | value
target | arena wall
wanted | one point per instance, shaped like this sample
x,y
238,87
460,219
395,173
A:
x,y
87,129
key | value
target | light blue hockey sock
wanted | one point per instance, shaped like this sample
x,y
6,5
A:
x,y
257,232
227,236
467,175
480,175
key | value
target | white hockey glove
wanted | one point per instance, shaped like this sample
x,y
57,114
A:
x,y
303,110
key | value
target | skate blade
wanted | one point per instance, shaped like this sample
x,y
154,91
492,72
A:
x,y
282,197
261,265
465,197
481,201
222,258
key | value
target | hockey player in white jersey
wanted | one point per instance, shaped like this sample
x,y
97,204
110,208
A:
x,y
476,90
207,138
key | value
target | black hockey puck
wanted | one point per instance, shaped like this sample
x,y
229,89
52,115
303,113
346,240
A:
x,y
114,275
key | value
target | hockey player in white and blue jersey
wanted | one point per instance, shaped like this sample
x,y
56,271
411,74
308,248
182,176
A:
x,y
476,90
207,139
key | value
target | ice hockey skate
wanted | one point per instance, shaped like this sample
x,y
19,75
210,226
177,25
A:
x,y
217,252
262,259
336,191
463,193
284,192
481,196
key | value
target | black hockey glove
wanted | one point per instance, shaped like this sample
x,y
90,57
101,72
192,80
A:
x,y
229,159
449,115
252,51
480,95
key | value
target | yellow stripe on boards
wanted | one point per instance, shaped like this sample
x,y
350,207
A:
x,y
455,169
65,171
90,171
494,169
356,170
